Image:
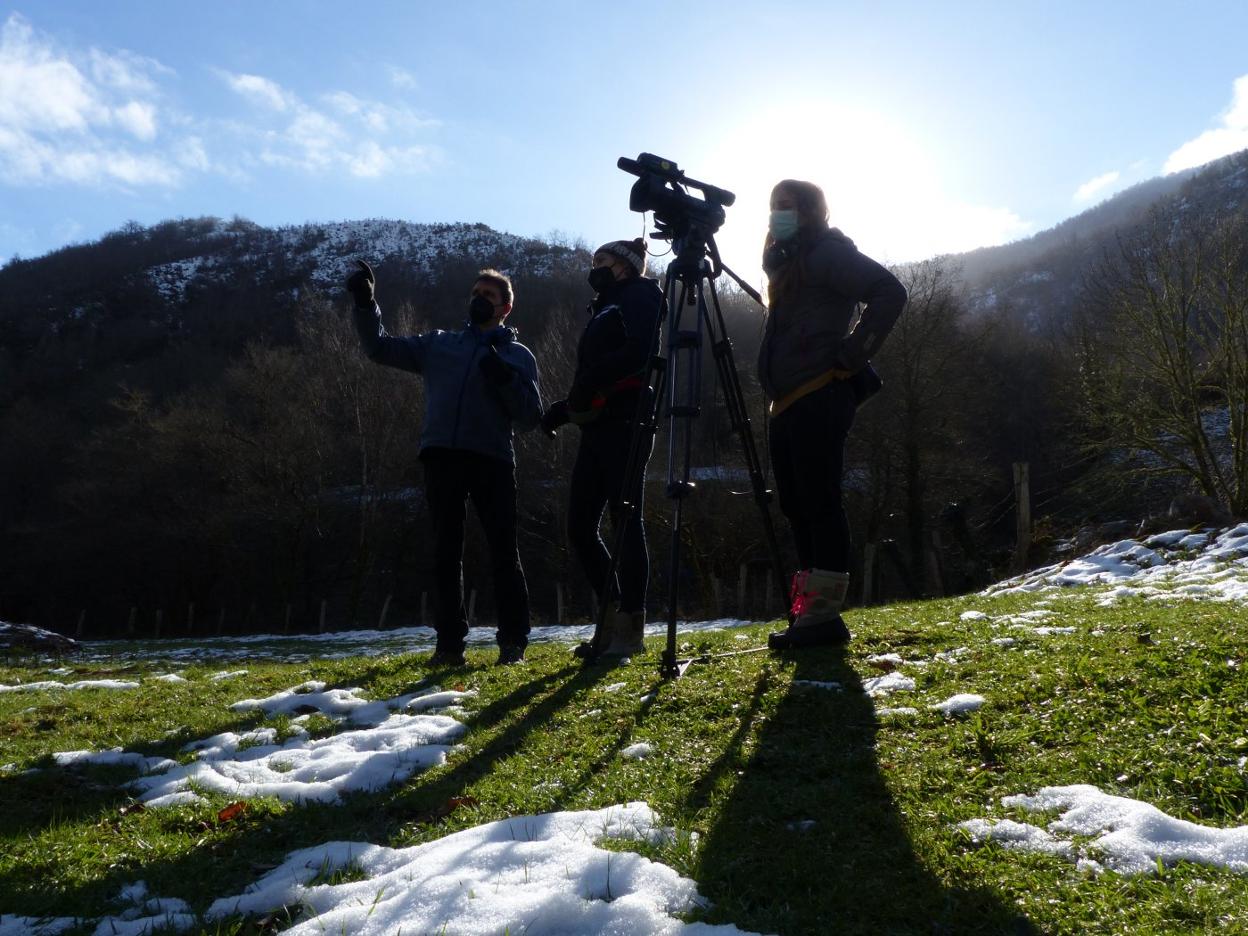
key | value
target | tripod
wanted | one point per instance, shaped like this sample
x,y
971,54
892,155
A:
x,y
676,379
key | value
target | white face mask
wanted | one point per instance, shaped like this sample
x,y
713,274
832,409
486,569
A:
x,y
782,224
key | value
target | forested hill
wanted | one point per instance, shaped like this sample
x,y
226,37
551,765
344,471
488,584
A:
x,y
223,283
1039,278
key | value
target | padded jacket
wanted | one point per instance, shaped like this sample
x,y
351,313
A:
x,y
463,410
808,333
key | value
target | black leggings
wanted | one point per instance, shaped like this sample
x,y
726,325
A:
x,y
598,479
808,456
451,477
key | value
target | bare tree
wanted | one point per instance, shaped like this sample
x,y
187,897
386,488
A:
x,y
1164,354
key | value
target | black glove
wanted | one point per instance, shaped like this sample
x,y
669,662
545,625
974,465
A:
x,y
554,417
494,368
360,285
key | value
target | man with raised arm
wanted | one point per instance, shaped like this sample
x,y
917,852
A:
x,y
480,385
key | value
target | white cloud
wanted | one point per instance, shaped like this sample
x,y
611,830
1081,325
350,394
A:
x,y
1230,137
61,113
40,92
126,72
401,78
139,118
1093,187
260,91
97,118
366,139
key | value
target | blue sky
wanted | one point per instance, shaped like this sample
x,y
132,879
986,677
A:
x,y
932,127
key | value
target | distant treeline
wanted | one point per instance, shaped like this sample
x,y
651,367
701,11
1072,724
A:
x,y
226,446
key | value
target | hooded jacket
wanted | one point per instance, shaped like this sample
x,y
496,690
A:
x,y
463,410
808,333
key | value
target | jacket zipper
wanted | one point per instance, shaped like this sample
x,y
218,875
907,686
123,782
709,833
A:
x,y
459,405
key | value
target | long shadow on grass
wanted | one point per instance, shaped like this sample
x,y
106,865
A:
x,y
225,858
810,839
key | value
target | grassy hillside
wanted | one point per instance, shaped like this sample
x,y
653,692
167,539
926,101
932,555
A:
x,y
816,808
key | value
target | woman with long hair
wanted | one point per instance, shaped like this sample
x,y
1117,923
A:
x,y
814,368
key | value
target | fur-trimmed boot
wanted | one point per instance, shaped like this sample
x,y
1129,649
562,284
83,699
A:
x,y
818,596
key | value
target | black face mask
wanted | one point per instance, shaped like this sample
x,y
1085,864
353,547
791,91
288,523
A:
x,y
480,310
600,278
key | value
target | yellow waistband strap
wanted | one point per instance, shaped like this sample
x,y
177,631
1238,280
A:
x,y
779,406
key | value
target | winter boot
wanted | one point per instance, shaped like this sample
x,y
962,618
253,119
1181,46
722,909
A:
x,y
603,636
629,627
818,596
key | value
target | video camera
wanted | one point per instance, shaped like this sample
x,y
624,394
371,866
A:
x,y
676,213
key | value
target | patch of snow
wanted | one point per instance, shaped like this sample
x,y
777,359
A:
x,y
877,686
639,751
1161,567
527,874
1128,836
115,757
114,684
960,704
300,770
816,684
1018,836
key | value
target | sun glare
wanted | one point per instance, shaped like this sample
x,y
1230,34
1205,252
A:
x,y
885,187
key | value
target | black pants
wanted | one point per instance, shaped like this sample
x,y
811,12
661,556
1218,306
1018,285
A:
x,y
598,479
451,477
808,455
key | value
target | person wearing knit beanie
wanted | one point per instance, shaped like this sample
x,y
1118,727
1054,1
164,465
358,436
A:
x,y
631,252
609,394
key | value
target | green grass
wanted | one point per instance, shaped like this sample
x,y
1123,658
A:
x,y
1144,700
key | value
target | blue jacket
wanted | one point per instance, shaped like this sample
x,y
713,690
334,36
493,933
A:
x,y
463,410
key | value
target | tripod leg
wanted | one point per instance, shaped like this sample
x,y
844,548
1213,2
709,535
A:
x,y
730,383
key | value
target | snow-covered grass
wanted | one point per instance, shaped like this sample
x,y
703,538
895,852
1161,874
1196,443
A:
x,y
1037,756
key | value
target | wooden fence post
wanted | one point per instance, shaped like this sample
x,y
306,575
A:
x,y
221,621
385,609
320,628
286,619
82,622
1022,527
935,573
160,619
717,595
558,602
742,581
868,574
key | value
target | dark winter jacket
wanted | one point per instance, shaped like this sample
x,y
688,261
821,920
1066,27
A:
x,y
808,333
614,349
463,410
